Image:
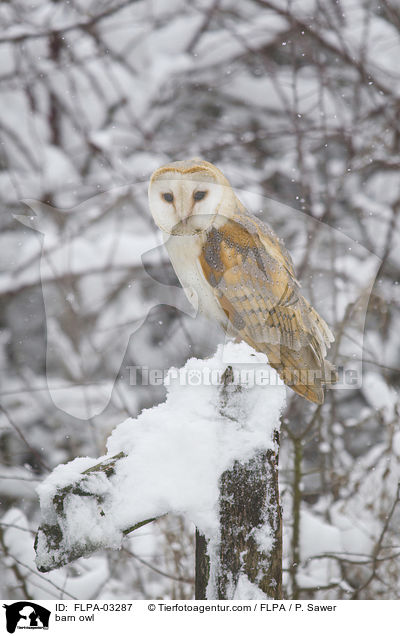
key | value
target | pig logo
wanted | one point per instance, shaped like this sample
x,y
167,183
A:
x,y
26,615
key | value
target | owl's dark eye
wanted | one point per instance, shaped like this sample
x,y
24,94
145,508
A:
x,y
168,196
199,195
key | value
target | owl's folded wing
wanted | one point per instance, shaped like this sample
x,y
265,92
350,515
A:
x,y
257,291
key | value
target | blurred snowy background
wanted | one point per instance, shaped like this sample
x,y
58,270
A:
x,y
298,102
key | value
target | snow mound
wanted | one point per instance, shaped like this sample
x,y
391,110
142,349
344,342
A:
x,y
169,459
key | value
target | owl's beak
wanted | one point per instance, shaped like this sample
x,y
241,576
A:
x,y
185,227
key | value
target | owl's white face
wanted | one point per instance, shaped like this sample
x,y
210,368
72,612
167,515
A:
x,y
185,203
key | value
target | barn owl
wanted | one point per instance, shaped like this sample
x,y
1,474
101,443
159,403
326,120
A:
x,y
235,270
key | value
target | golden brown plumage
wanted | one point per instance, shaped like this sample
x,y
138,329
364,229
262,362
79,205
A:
x,y
240,273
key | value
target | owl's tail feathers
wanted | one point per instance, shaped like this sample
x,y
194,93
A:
x,y
314,392
330,375
303,370
311,393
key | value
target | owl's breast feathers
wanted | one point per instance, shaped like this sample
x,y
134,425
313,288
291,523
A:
x,y
253,280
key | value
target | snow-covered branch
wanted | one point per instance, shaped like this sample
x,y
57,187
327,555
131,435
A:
x,y
208,452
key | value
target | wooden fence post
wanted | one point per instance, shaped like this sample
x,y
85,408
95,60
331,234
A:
x,y
249,542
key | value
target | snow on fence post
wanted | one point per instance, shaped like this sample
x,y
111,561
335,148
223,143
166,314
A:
x,y
210,452
244,563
